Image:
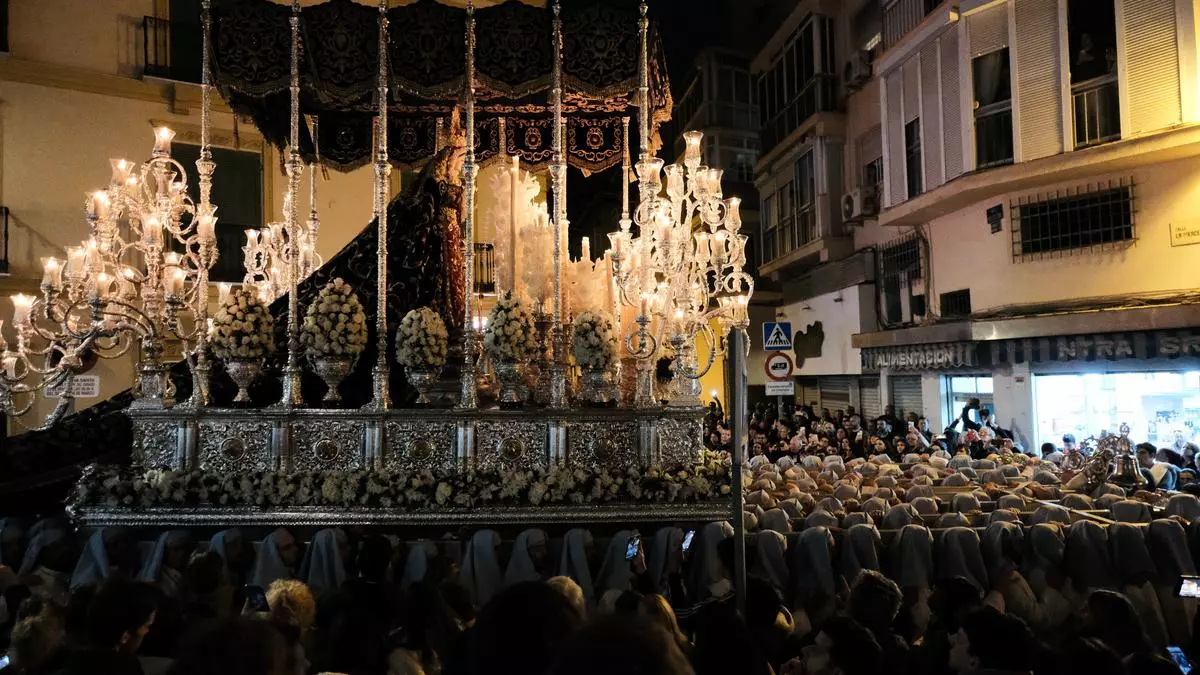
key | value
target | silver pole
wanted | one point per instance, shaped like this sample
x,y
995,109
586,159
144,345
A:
x,y
380,397
558,179
292,396
469,396
737,423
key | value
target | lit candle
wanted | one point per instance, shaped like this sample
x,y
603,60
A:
x,y
586,247
98,205
172,259
125,286
691,153
9,363
21,306
645,306
152,234
91,254
174,283
251,238
733,213
211,327
162,141
101,282
76,260
514,191
52,276
120,170
223,292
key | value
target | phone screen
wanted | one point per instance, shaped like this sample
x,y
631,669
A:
x,y
256,599
4,661
1180,659
1189,587
687,539
631,550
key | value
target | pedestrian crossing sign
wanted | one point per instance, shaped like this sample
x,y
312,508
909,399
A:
x,y
777,336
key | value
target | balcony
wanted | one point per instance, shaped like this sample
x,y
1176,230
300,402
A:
x,y
797,243
994,135
901,16
171,52
818,95
1097,111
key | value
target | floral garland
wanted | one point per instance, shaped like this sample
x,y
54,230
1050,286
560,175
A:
x,y
592,341
115,487
510,334
422,341
243,327
335,324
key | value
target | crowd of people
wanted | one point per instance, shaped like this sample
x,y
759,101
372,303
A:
x,y
798,431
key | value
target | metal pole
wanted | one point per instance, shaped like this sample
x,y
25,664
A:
x,y
380,397
558,178
469,396
737,425
292,396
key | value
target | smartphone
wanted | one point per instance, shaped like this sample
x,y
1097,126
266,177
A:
x,y
687,540
631,551
1188,587
256,599
1180,659
4,661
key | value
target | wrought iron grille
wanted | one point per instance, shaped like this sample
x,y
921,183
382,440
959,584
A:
x,y
901,16
1097,111
4,233
485,268
1094,217
156,46
956,304
901,279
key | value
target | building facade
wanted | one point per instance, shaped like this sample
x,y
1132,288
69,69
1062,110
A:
x,y
1018,179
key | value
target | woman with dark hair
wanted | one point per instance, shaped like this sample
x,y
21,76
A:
x,y
1110,616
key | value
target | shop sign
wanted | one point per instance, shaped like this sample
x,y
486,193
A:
x,y
1166,345
919,357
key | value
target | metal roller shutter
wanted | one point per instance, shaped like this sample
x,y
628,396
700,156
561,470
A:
x,y
835,392
868,389
1038,72
906,394
809,392
894,157
912,90
988,30
931,101
1151,55
951,105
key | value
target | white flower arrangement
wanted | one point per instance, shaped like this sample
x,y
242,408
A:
x,y
335,324
592,341
510,335
422,341
243,327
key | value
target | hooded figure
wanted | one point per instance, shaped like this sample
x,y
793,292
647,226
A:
x,y
956,480
911,554
856,518
93,567
1135,568
1043,559
55,585
860,551
276,559
323,568
668,542
772,561
1169,547
1016,502
775,520
959,556
615,572
965,503
12,541
845,491
156,569
1078,501
1051,513
925,506
812,565
919,491
481,568
221,544
1087,558
792,508
1004,516
898,516
875,507
522,566
1130,511
820,518
417,564
706,576
1185,506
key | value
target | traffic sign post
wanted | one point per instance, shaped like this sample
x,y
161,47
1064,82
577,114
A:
x,y
779,367
777,336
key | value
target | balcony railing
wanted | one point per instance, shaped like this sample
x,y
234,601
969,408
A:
x,y
816,96
993,135
901,16
1097,111
485,268
156,46
4,234
792,233
170,54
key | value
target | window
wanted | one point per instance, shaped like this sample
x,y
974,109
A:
x,y
912,158
960,390
4,26
1097,219
993,109
900,281
171,49
806,212
956,304
787,211
1160,407
743,167
866,25
238,193
798,84
873,174
1092,43
767,218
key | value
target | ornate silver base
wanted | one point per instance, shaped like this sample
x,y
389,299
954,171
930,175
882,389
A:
x,y
422,380
513,390
332,370
597,388
243,372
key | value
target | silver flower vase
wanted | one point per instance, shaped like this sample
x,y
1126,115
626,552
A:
x,y
332,370
597,388
243,372
422,379
513,390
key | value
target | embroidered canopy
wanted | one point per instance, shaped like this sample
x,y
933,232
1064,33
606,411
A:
x,y
426,50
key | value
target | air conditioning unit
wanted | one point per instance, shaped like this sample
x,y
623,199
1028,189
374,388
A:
x,y
858,70
860,204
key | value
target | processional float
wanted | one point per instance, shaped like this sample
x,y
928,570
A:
x,y
672,278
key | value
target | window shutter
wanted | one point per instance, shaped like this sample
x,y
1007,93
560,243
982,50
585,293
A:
x,y
912,104
1151,65
835,392
988,30
868,391
1038,71
895,139
906,394
931,151
951,111
809,392
869,147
